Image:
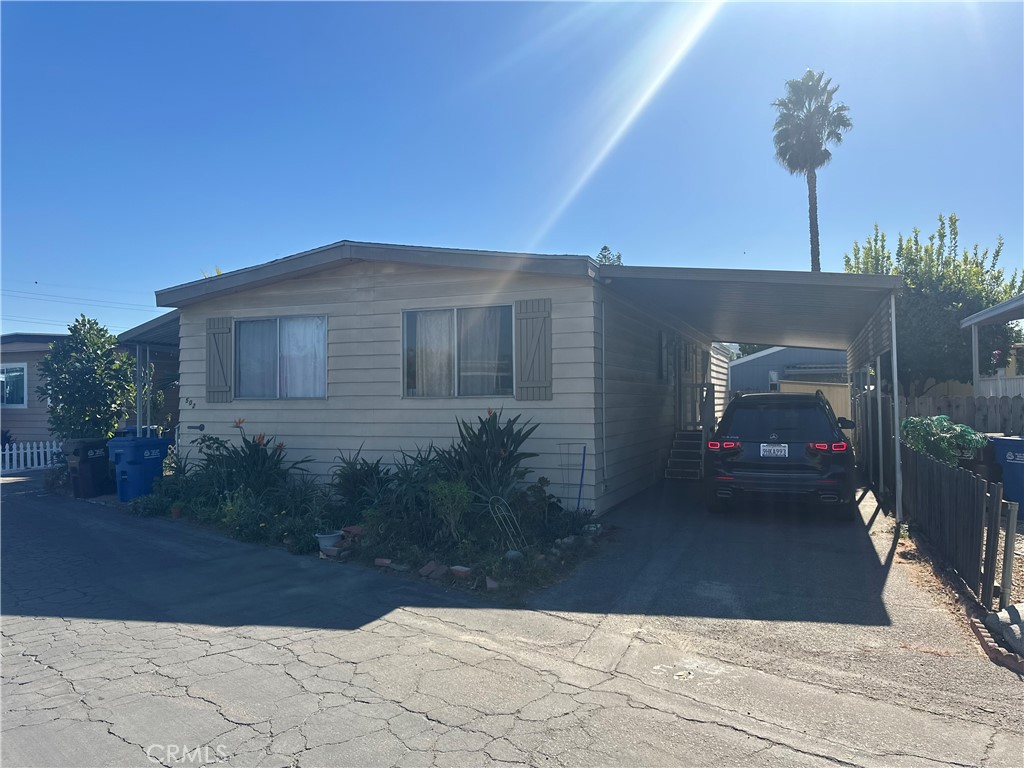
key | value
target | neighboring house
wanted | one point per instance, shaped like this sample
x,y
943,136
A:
x,y
762,371
381,348
794,369
1009,380
22,411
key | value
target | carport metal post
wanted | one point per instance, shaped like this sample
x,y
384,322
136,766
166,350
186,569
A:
x,y
975,367
897,459
138,390
149,391
881,438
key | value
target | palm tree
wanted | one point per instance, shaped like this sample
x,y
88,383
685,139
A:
x,y
808,122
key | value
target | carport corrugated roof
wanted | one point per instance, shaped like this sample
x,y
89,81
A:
x,y
791,309
161,331
1004,312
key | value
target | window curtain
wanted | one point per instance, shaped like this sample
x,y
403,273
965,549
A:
x,y
434,354
303,356
256,358
485,351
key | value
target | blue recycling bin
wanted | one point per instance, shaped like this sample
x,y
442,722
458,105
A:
x,y
138,461
1010,455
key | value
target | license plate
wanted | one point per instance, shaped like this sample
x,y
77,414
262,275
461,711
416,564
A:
x,y
775,450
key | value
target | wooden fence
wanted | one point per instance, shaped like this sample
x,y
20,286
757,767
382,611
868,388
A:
x,y
959,514
1003,415
28,456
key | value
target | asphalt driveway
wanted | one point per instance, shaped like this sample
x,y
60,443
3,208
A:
x,y
774,638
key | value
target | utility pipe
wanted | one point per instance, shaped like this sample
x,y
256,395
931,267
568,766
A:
x,y
1006,585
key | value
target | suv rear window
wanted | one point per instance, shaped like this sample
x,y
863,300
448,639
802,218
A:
x,y
790,421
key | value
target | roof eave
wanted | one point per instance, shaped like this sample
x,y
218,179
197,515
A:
x,y
1003,312
343,252
788,277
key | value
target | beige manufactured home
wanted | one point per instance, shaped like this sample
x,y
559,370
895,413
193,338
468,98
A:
x,y
383,347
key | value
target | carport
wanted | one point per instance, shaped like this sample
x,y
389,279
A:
x,y
155,346
851,312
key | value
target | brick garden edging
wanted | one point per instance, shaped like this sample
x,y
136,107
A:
x,y
996,652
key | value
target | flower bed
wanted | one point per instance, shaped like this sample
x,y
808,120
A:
x,y
468,504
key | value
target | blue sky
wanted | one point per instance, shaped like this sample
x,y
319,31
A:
x,y
145,144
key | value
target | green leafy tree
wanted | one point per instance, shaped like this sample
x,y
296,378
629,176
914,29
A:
x,y
89,383
942,285
808,121
605,256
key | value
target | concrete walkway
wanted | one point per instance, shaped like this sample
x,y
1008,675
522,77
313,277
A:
x,y
767,639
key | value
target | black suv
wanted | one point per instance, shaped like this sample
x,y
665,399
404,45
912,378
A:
x,y
781,444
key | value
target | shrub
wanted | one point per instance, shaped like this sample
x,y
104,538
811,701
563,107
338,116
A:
x,y
88,383
247,515
409,496
149,506
941,438
253,464
487,457
542,516
298,532
359,484
6,438
450,501
58,478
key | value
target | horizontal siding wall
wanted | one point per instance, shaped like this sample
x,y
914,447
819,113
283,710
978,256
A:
x,y
719,376
364,407
639,407
26,424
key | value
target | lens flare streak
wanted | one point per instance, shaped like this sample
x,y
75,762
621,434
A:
x,y
687,29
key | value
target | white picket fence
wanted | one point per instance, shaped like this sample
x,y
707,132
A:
x,y
999,386
26,457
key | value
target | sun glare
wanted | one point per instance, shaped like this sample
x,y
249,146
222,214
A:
x,y
651,62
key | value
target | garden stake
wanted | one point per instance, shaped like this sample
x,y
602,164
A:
x,y
583,466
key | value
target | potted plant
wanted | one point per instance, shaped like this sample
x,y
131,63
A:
x,y
329,539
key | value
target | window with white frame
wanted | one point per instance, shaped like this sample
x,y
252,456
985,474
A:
x,y
281,358
14,385
463,352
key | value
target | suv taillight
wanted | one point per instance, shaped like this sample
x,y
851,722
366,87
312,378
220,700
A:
x,y
724,445
829,447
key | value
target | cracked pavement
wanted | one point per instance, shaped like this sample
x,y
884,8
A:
x,y
133,642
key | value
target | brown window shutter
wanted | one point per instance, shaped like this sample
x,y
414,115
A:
x,y
533,349
219,355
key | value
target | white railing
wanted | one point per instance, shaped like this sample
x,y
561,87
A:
x,y
29,456
998,386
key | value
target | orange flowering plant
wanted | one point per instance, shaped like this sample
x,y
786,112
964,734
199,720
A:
x,y
257,464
